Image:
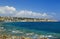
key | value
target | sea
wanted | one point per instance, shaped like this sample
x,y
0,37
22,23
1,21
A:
x,y
41,28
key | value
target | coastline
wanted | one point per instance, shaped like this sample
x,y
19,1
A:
x,y
23,19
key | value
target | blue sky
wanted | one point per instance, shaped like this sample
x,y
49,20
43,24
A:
x,y
49,7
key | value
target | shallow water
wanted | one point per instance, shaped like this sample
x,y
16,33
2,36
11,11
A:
x,y
44,28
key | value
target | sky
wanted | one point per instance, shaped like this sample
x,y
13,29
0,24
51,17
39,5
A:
x,y
31,8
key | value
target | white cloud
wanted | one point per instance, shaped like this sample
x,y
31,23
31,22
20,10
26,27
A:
x,y
26,13
11,11
7,9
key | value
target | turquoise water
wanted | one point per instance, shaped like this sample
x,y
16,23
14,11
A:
x,y
41,28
